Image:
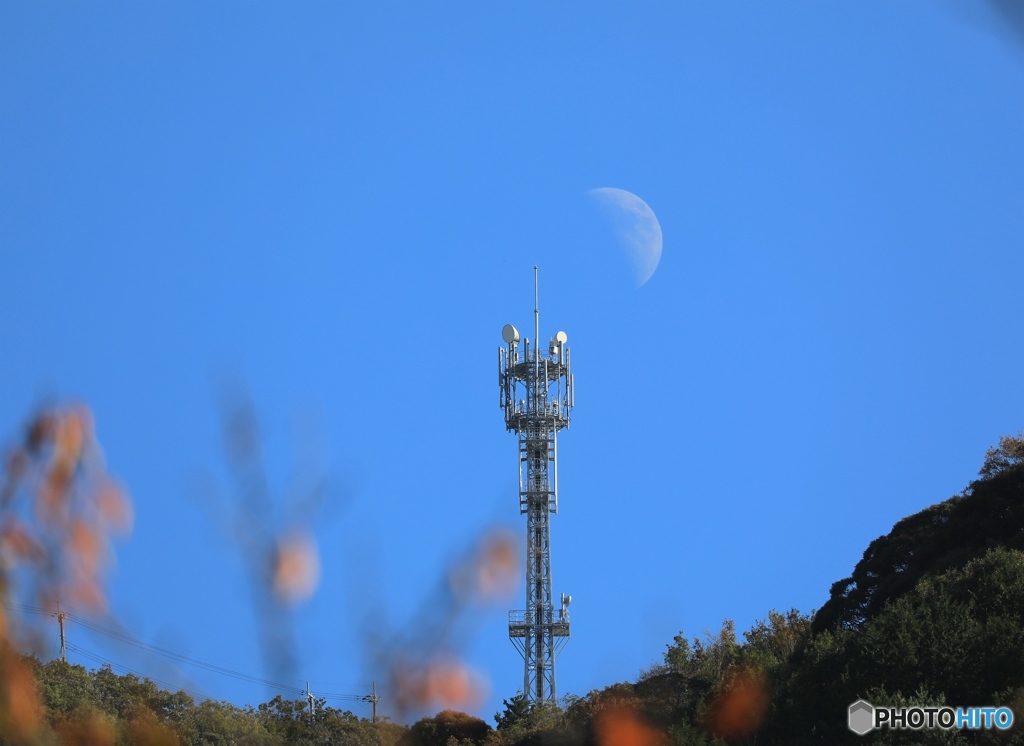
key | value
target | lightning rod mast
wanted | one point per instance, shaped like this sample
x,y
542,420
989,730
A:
x,y
537,397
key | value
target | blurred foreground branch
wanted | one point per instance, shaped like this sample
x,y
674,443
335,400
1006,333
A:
x,y
273,537
59,507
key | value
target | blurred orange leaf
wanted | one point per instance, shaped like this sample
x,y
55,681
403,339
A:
x,y
296,567
114,507
621,727
84,542
92,730
20,706
740,709
18,540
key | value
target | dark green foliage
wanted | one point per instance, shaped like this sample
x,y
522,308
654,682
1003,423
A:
x,y
522,724
960,633
933,614
293,722
221,723
66,690
101,706
516,714
956,638
774,640
931,540
990,514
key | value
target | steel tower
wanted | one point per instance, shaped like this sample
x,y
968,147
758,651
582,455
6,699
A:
x,y
537,396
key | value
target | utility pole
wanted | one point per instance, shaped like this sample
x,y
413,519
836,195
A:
x,y
373,699
63,642
309,698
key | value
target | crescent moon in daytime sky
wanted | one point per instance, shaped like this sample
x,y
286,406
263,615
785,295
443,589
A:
x,y
637,227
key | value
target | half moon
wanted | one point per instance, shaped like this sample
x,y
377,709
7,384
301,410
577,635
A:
x,y
637,229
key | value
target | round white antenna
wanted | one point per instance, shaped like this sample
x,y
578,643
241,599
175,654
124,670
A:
x,y
561,338
510,334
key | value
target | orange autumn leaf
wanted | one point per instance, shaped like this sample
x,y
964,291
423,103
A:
x,y
621,727
451,684
52,496
149,733
490,573
92,730
740,709
17,539
84,542
114,507
499,569
442,682
296,567
73,505
70,435
20,706
86,593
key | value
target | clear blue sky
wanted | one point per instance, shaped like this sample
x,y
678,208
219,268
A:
x,y
341,204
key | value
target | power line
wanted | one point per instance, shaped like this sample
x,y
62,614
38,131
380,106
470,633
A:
x,y
182,658
103,660
125,637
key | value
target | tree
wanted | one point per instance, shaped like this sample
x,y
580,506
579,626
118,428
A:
x,y
221,723
960,634
66,690
446,727
778,636
708,658
1007,455
517,712
957,638
522,723
950,534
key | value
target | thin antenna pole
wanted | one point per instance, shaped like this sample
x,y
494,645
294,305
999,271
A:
x,y
536,314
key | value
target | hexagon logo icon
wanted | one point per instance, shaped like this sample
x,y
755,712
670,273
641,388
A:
x,y
861,717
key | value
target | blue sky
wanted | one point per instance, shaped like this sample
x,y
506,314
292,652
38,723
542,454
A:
x,y
340,204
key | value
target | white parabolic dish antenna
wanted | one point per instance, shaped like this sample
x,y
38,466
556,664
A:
x,y
510,334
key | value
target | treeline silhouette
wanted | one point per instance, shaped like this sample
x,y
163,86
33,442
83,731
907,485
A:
x,y
101,707
932,615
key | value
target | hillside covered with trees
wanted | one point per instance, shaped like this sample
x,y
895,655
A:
x,y
933,614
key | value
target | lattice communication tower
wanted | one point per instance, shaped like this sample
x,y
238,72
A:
x,y
537,396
